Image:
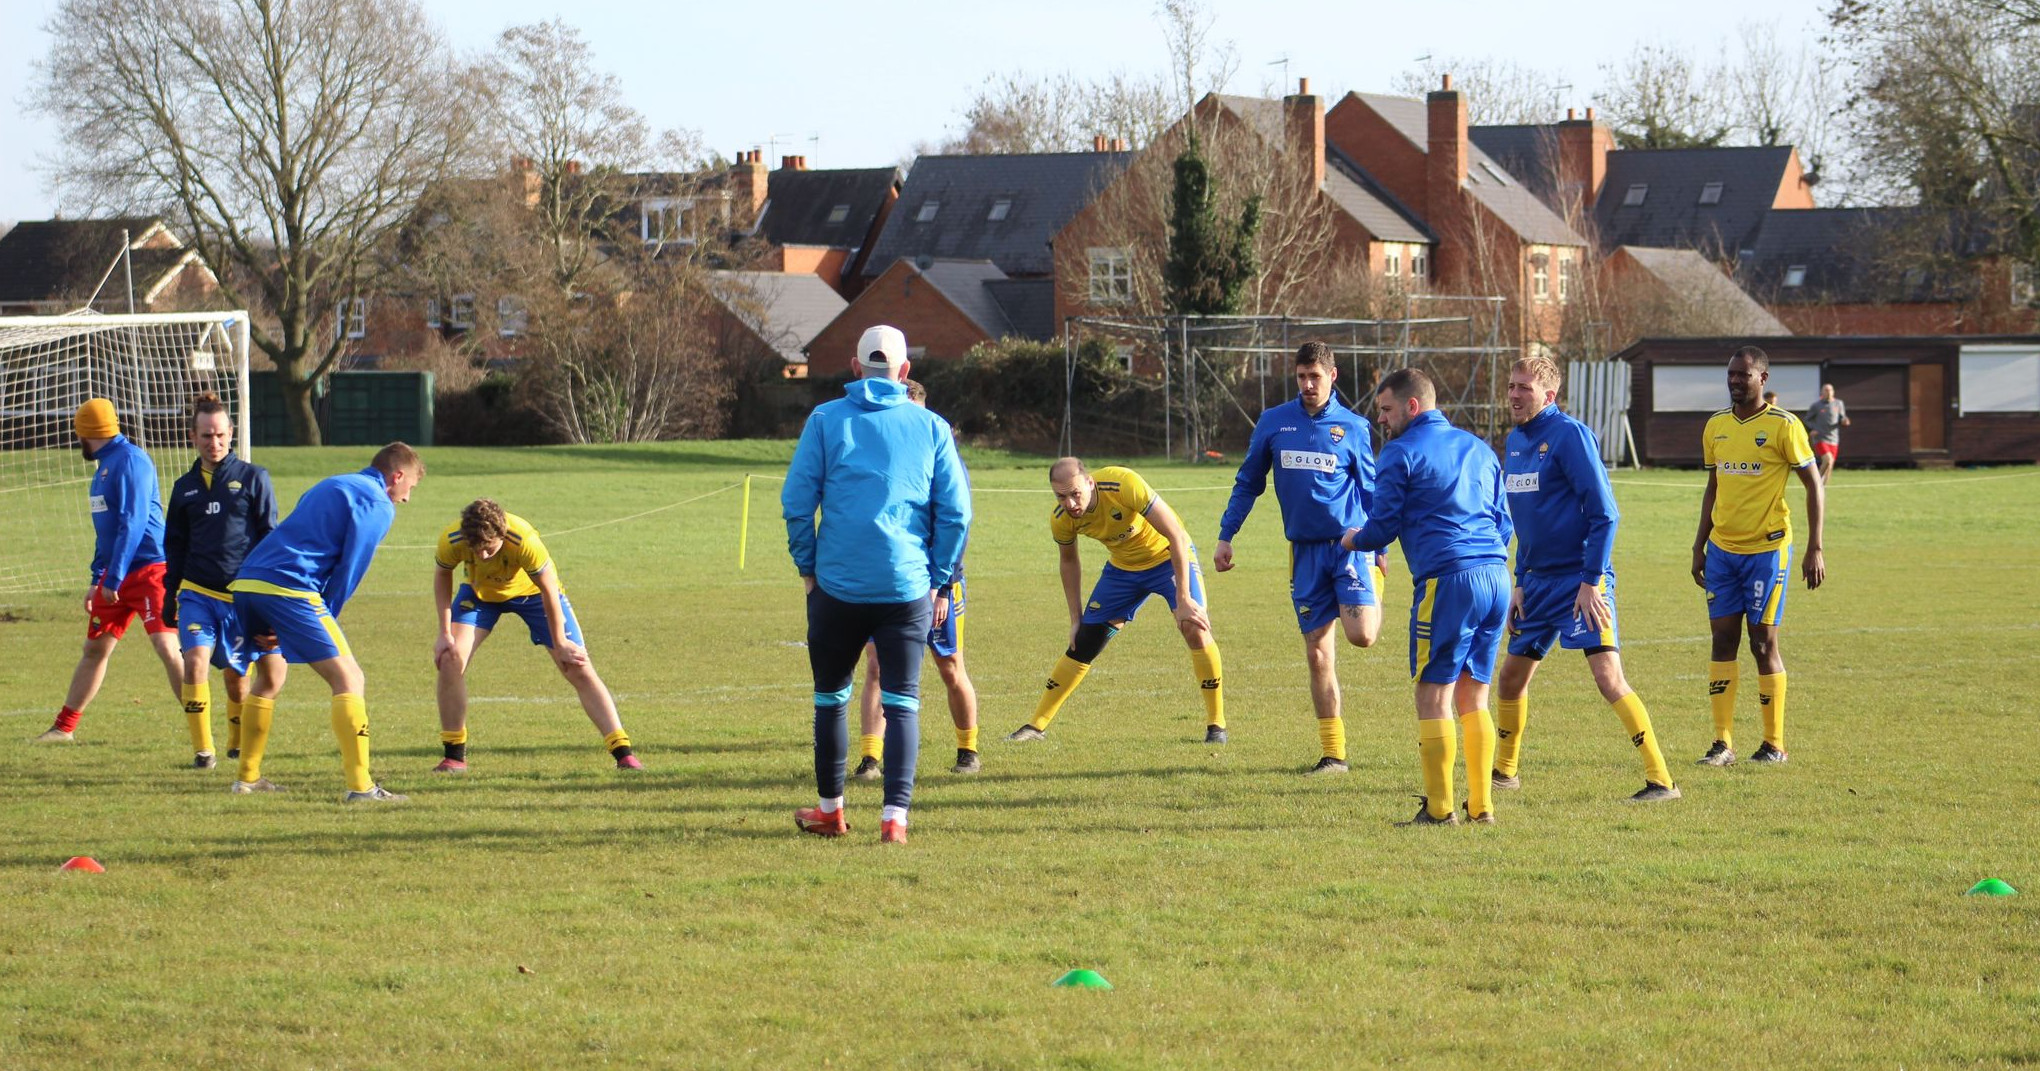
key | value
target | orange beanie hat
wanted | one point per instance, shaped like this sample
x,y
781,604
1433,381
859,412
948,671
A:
x,y
96,420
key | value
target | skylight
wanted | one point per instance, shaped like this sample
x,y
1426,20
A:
x,y
1635,195
927,212
1000,208
1710,194
1795,275
839,213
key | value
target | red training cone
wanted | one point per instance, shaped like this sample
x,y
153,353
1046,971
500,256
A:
x,y
83,862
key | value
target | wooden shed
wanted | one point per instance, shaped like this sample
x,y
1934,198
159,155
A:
x,y
1928,400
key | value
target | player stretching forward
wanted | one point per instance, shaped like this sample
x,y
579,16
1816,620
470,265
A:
x,y
127,564
945,642
289,594
508,571
1439,490
1564,513
218,511
1742,555
1324,476
1150,554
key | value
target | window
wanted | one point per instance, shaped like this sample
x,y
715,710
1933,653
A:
x,y
2021,283
460,313
1000,209
1710,194
511,317
1123,351
1999,379
1540,274
1690,388
1795,275
839,213
1420,262
927,212
1568,278
1635,195
350,318
1391,260
433,317
663,220
1111,276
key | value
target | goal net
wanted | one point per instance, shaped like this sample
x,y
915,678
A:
x,y
149,366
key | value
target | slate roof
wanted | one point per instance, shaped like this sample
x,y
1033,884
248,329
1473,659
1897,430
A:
x,y
1029,305
63,259
1486,179
1045,190
1525,152
1851,256
1671,214
1693,277
964,283
798,205
786,309
1368,202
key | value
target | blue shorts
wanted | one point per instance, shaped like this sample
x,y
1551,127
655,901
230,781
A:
x,y
305,632
203,621
481,614
1456,623
945,639
1549,614
1324,576
1119,592
1749,584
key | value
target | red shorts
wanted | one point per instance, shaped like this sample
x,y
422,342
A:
x,y
1831,451
141,592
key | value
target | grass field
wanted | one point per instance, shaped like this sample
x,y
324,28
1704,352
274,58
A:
x,y
547,911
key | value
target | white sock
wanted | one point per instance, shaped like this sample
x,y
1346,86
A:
x,y
893,814
832,806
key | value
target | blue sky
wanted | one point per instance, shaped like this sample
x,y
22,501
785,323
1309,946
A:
x,y
866,82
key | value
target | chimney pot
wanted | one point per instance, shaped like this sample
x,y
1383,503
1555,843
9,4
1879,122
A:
x,y
1446,84
1303,87
1590,115
1568,115
1097,143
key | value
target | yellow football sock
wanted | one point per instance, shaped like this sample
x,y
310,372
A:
x,y
256,715
617,739
1511,715
1636,722
1771,703
966,739
871,746
1477,730
1722,678
1437,747
1210,679
1062,680
453,736
1331,735
198,714
234,724
350,728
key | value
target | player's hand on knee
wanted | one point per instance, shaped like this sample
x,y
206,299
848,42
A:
x,y
1221,558
443,654
569,655
1190,617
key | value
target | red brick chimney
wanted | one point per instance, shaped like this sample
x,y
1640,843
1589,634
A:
x,y
524,174
750,177
1583,148
1303,117
1446,150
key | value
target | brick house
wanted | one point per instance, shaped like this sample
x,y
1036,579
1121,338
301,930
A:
x,y
53,266
944,306
825,223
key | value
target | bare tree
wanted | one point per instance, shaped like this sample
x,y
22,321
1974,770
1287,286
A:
x,y
289,137
1659,97
1498,92
1197,65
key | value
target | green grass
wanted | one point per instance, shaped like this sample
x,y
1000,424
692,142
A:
x,y
1246,915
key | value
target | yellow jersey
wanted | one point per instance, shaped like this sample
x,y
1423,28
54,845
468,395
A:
x,y
505,576
1118,519
1750,460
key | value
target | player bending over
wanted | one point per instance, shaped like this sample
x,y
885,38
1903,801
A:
x,y
287,602
508,572
1149,554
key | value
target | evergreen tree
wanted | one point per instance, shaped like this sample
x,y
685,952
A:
x,y
1211,259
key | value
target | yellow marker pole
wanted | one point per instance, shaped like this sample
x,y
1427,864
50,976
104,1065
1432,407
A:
x,y
744,526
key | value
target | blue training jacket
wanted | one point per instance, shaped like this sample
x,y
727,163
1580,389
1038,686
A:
x,y
1324,471
892,495
127,519
326,543
1439,490
210,529
1559,498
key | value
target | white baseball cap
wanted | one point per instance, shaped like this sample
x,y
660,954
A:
x,y
882,350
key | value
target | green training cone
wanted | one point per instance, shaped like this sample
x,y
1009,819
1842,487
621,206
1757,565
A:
x,y
1083,980
1989,887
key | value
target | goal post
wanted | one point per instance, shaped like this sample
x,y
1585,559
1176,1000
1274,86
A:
x,y
149,365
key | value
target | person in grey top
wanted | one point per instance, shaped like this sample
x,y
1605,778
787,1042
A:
x,y
1825,420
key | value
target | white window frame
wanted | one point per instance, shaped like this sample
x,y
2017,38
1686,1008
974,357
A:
x,y
434,318
1111,275
1391,261
460,312
673,233
512,318
2019,284
1568,278
1420,262
1001,209
1795,276
1998,378
1710,194
1540,273
1124,351
350,318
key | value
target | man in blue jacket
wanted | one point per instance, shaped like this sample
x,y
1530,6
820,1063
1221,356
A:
x,y
218,511
1439,490
127,560
1564,513
288,598
877,509
1323,460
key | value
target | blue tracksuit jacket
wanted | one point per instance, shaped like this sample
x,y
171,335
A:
x,y
1439,490
127,518
326,543
1324,471
1559,498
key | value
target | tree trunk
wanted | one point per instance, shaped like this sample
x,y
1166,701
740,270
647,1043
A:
x,y
297,405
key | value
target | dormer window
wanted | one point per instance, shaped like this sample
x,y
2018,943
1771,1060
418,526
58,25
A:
x,y
1795,275
927,212
1636,194
663,220
839,213
1710,194
1000,209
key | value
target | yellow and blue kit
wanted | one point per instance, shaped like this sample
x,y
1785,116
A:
x,y
1749,547
504,582
1439,491
1323,465
1138,552
297,580
213,520
1565,516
